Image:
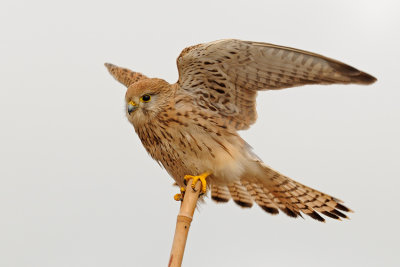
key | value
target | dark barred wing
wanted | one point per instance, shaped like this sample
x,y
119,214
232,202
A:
x,y
224,76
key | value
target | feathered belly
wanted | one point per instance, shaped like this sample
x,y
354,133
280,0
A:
x,y
196,153
194,150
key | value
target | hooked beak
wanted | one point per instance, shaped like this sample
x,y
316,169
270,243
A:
x,y
132,106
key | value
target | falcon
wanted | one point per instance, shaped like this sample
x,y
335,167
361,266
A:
x,y
191,127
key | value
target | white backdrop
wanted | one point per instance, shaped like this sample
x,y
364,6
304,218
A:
x,y
78,189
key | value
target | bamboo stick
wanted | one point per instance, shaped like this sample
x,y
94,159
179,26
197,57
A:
x,y
183,221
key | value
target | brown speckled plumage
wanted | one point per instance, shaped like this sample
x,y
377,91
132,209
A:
x,y
190,127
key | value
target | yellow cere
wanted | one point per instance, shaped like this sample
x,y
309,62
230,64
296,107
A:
x,y
132,103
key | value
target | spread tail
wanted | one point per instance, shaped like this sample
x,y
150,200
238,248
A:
x,y
273,191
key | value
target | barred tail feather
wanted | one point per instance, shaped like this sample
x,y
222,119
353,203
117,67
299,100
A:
x,y
220,193
294,198
273,191
260,197
240,195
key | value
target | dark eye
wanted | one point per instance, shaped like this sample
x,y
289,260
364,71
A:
x,y
145,98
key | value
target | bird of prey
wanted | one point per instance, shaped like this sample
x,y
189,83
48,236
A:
x,y
191,127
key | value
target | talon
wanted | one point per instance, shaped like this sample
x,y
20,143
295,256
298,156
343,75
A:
x,y
179,197
202,177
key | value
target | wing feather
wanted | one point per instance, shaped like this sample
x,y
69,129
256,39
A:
x,y
228,74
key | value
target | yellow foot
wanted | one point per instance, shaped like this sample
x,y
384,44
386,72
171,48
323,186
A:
x,y
179,197
202,177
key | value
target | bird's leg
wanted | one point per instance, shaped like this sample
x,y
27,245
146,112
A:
x,y
179,197
202,177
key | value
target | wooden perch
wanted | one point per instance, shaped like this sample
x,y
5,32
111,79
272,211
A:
x,y
183,221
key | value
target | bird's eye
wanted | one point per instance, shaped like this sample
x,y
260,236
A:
x,y
145,98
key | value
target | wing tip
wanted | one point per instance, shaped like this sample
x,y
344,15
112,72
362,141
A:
x,y
364,78
110,67
356,76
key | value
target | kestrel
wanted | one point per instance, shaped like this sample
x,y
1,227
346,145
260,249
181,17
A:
x,y
191,127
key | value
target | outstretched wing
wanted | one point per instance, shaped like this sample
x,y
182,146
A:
x,y
224,76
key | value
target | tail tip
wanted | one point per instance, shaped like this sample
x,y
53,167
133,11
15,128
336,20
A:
x,y
220,199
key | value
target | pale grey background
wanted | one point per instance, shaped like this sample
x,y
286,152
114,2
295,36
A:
x,y
78,189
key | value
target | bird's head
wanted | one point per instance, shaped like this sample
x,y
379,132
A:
x,y
145,99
